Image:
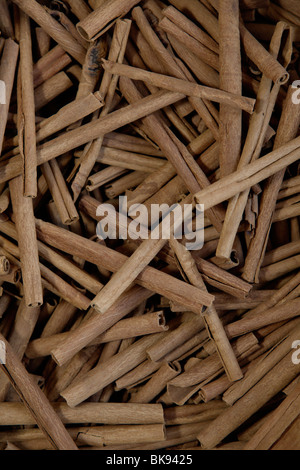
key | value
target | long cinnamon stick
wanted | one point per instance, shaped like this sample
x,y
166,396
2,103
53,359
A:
x,y
28,107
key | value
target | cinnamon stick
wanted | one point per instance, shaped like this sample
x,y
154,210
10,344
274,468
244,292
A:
x,y
25,226
36,402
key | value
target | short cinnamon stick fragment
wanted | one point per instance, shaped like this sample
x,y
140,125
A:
x,y
103,17
210,316
180,86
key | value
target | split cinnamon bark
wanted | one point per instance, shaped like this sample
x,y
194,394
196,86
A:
x,y
36,402
63,19
53,28
7,74
257,246
103,18
23,212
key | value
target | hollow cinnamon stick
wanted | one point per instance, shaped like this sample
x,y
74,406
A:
x,y
103,17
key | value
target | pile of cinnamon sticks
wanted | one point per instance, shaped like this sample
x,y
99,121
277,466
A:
x,y
137,342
